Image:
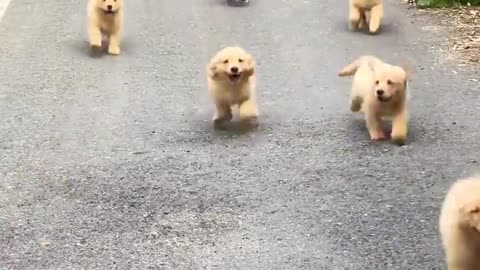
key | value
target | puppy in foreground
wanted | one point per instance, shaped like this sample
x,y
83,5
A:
x,y
231,82
460,225
379,90
105,18
360,9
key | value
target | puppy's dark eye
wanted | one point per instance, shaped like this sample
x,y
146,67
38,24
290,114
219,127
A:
x,y
240,60
377,82
225,62
389,82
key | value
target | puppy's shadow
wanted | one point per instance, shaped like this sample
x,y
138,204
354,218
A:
x,y
358,131
230,3
385,29
82,47
235,128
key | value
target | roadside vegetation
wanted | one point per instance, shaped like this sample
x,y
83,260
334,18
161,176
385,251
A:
x,y
462,18
446,3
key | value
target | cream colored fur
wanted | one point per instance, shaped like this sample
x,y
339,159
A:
x,y
360,9
460,225
227,91
101,22
372,75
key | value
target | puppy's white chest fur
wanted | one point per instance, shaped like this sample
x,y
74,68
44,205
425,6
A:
x,y
230,93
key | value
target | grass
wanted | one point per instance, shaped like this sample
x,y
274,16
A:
x,y
446,3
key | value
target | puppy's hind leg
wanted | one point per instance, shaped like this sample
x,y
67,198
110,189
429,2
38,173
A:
x,y
362,24
353,18
223,114
376,15
356,103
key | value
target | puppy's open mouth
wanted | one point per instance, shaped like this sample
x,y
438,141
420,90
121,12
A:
x,y
235,77
384,99
110,12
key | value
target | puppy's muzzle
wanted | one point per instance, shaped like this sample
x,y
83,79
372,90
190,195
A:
x,y
110,10
381,96
235,74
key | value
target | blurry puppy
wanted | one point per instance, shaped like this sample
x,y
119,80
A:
x,y
360,9
379,90
460,225
105,17
231,81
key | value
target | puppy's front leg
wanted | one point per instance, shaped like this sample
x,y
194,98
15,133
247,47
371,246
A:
x,y
399,128
354,18
114,43
248,111
376,15
223,114
374,126
95,37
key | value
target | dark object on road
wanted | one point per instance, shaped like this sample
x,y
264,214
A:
x,y
238,3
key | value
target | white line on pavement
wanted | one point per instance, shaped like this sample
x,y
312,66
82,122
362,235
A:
x,y
3,7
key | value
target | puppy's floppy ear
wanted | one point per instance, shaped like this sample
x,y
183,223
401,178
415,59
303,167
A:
x,y
408,71
250,67
212,69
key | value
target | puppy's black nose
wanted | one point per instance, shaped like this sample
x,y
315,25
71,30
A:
x,y
109,7
380,92
234,69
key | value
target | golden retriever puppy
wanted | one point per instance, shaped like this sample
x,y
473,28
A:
x,y
379,90
460,225
105,17
231,81
360,9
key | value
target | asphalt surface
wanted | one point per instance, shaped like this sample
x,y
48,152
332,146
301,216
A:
x,y
112,163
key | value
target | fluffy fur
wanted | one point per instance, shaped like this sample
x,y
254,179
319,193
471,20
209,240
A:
x,y
105,17
379,90
231,81
360,9
460,225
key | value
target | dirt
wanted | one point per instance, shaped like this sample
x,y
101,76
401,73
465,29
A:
x,y
463,23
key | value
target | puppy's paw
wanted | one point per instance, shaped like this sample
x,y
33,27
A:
x,y
363,25
221,122
96,50
250,121
353,25
399,139
378,136
114,50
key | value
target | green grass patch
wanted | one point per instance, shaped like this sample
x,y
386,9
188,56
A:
x,y
445,3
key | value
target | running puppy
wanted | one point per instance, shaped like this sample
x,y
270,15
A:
x,y
460,225
105,17
231,81
359,10
379,90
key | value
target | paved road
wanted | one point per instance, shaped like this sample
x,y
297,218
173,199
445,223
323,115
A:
x,y
111,163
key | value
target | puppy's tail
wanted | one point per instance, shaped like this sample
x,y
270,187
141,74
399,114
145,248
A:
x,y
349,70
352,68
